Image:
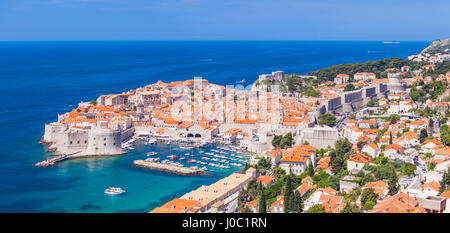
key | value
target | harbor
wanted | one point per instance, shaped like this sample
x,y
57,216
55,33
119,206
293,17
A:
x,y
211,158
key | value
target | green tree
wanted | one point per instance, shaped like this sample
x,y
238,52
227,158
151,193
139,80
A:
x,y
313,93
276,141
370,103
262,200
327,119
93,102
278,172
369,205
297,202
408,169
310,170
393,185
286,141
318,208
349,208
361,144
340,155
287,194
393,118
368,195
349,87
445,135
445,182
431,166
423,135
264,163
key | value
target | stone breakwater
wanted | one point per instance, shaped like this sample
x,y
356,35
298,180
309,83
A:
x,y
185,171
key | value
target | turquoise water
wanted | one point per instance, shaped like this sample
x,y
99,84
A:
x,y
39,80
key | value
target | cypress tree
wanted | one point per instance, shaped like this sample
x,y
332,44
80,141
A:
x,y
310,170
393,186
297,206
262,200
287,195
390,138
423,135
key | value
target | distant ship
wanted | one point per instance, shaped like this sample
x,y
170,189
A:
x,y
242,81
391,42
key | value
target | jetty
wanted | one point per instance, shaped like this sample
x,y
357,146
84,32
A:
x,y
185,171
52,161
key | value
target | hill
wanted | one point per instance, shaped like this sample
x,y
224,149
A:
x,y
438,46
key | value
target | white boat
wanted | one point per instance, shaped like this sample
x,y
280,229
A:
x,y
186,146
114,191
152,153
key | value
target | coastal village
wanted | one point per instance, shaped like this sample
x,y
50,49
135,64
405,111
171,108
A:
x,y
368,140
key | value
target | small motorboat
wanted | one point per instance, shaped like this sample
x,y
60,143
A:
x,y
152,153
114,191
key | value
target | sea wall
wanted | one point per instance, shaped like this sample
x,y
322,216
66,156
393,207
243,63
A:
x,y
185,171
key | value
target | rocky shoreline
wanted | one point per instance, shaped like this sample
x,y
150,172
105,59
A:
x,y
168,168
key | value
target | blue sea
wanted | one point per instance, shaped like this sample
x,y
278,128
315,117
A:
x,y
42,79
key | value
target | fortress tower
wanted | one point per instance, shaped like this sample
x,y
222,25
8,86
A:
x,y
394,85
104,142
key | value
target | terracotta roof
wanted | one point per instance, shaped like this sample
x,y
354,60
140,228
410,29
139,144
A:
x,y
433,185
360,158
178,205
265,179
399,203
394,146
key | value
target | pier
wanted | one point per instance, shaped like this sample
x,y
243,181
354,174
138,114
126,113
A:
x,y
168,168
52,161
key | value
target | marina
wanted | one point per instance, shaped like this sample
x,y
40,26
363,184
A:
x,y
214,158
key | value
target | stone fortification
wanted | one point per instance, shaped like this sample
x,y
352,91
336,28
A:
x,y
64,140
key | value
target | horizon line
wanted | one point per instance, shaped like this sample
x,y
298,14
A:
x,y
176,40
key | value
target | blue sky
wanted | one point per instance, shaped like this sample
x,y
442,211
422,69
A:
x,y
223,20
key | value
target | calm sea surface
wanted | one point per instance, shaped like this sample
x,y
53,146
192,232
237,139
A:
x,y
38,80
